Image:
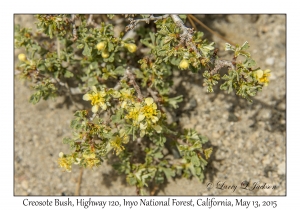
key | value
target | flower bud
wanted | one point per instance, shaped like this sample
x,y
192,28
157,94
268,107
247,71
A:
x,y
105,54
131,47
100,45
22,57
184,64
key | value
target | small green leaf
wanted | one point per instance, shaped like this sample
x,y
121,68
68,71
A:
x,y
169,172
229,47
120,70
87,51
245,46
110,47
195,160
68,74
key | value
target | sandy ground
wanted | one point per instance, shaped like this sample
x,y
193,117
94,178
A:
x,y
249,140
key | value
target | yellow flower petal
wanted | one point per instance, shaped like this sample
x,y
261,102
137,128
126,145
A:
x,y
157,128
143,132
124,104
143,126
141,117
149,101
94,89
154,106
95,108
259,74
87,97
154,119
102,93
103,106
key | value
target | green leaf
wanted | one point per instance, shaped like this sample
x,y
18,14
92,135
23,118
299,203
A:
x,y
68,74
131,179
110,46
245,46
195,160
80,46
152,37
120,70
168,172
87,51
249,63
244,53
174,101
183,17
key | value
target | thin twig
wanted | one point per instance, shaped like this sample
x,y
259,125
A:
x,y
220,64
68,90
156,99
74,28
133,22
77,191
192,22
118,85
70,95
90,20
210,30
187,34
133,82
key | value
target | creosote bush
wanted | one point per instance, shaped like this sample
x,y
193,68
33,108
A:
x,y
127,81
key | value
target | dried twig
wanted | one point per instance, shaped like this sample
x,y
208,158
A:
x,y
133,82
74,28
187,34
133,22
71,96
77,191
90,20
118,85
66,85
156,99
192,22
220,64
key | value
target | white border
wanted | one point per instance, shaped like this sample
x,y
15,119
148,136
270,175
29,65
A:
x,y
8,201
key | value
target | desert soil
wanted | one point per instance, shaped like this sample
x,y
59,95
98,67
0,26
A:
x,y
249,140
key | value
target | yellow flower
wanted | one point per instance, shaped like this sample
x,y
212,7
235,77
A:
x,y
184,64
90,160
101,45
22,57
105,54
263,76
124,105
131,47
150,110
126,94
65,163
97,99
135,114
117,141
